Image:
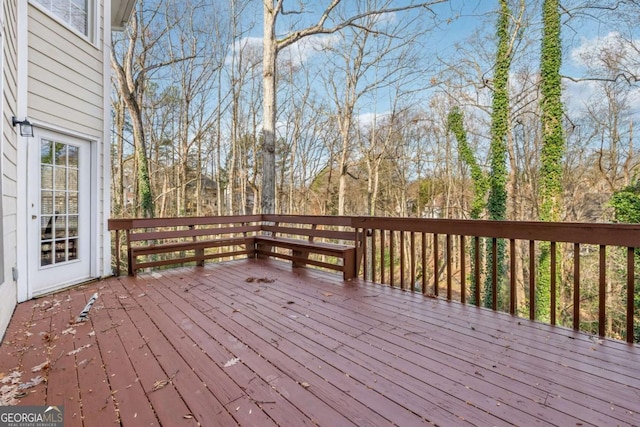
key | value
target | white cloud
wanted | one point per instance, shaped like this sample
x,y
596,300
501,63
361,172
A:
x,y
608,56
300,52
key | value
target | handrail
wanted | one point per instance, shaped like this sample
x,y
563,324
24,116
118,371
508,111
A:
x,y
430,255
440,246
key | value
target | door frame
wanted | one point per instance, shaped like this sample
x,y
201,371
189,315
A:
x,y
29,192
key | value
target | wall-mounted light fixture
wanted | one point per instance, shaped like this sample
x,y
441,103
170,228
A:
x,y
26,128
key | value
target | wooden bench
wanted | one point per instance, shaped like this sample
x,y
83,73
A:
x,y
184,240
300,239
301,249
298,236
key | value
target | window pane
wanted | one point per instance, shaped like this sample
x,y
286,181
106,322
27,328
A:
x,y
75,13
46,202
61,226
73,203
73,156
46,227
60,155
46,153
73,180
61,204
61,251
73,226
61,178
45,254
73,249
46,177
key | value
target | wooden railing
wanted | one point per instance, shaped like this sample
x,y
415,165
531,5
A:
x,y
430,256
593,265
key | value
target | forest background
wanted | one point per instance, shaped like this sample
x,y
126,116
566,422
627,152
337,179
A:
x,y
505,109
364,114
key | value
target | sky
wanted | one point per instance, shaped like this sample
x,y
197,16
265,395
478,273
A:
x,y
456,25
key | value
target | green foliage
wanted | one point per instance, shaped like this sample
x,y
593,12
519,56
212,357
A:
x,y
455,124
626,205
497,202
553,145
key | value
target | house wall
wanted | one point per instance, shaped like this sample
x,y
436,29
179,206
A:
x,y
68,90
8,288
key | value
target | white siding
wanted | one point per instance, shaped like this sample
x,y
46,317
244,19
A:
x,y
65,85
8,289
66,89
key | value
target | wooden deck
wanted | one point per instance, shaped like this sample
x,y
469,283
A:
x,y
255,343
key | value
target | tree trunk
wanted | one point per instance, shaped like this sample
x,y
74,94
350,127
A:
x,y
269,110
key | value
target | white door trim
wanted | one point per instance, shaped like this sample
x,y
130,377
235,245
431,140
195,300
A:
x,y
25,287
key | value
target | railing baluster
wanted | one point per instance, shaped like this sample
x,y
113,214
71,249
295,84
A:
x,y
424,263
532,279
402,260
117,246
374,275
576,286
364,236
392,264
553,290
448,243
435,265
512,276
630,293
476,273
413,261
494,273
463,273
382,257
602,296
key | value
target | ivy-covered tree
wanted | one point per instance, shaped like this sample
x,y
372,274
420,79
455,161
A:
x,y
497,202
553,145
626,205
455,124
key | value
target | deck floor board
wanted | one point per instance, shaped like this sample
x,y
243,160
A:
x,y
257,343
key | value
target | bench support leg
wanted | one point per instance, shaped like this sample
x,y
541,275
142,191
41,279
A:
x,y
349,265
299,257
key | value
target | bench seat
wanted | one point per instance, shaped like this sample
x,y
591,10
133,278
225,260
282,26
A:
x,y
300,250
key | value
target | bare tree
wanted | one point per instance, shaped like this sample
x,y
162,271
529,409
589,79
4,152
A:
x,y
272,45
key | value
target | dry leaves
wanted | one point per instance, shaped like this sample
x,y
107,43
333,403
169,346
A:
x,y
259,280
163,383
232,362
78,350
40,367
12,389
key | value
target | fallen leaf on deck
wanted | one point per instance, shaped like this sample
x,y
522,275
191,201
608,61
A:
x,y
78,350
40,367
187,416
92,334
305,384
163,383
250,279
231,362
327,294
69,331
141,295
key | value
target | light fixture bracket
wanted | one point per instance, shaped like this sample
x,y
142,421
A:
x,y
26,128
